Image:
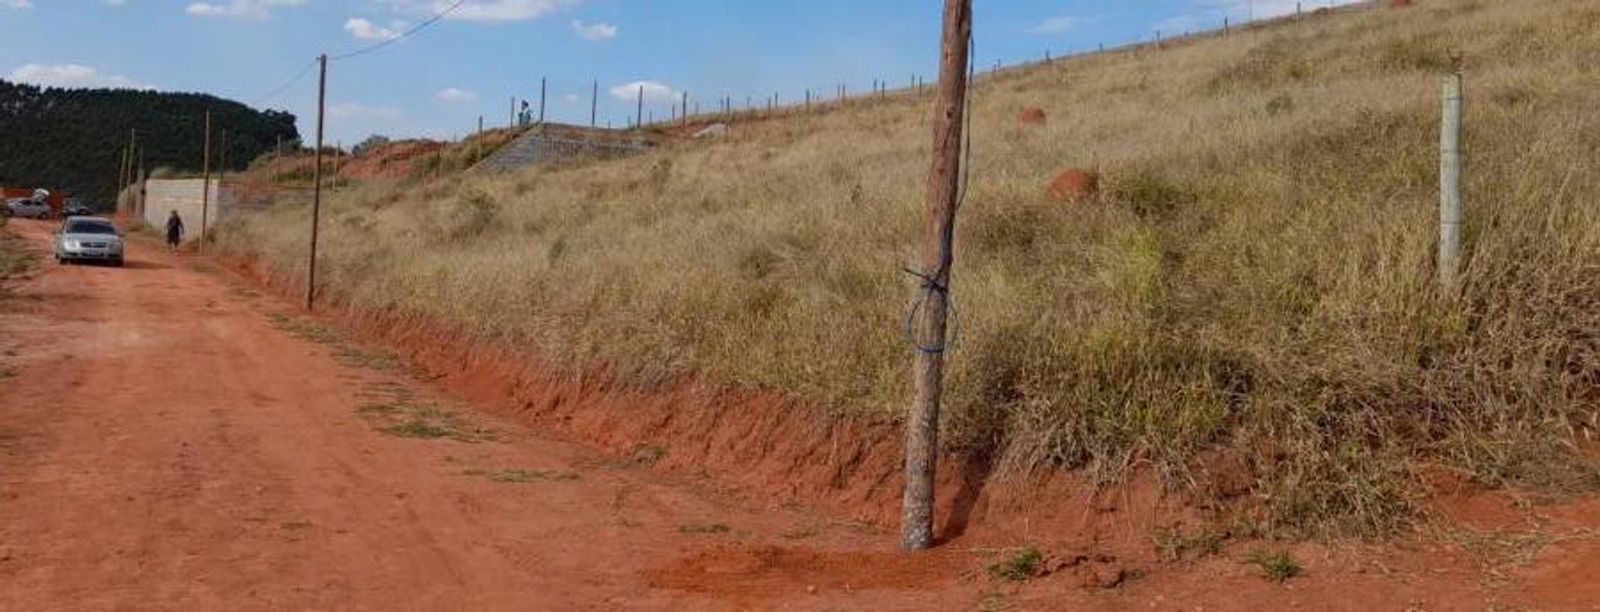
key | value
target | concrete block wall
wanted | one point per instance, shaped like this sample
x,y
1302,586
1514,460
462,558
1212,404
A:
x,y
162,196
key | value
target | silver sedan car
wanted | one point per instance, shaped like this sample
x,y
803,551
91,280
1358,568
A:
x,y
28,207
88,239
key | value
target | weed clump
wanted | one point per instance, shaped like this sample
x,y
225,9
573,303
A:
x,y
1021,566
523,476
1275,566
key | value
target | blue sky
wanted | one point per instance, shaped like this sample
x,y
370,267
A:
x,y
438,82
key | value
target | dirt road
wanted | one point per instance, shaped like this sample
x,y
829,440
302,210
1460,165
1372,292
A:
x,y
172,440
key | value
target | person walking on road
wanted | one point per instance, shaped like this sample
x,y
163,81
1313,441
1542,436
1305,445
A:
x,y
174,231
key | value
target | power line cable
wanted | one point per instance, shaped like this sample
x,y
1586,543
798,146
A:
x,y
403,35
287,84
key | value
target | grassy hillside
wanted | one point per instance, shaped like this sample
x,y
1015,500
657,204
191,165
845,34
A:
x,y
1254,282
72,139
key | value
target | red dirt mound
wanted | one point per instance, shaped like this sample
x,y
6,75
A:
x,y
389,161
1032,115
1073,185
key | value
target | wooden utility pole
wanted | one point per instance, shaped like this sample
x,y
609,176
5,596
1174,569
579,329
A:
x,y
316,183
222,165
686,108
1450,184
139,180
638,118
122,170
594,105
122,175
943,190
542,85
133,143
205,187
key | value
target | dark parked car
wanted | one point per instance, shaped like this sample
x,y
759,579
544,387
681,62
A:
x,y
76,208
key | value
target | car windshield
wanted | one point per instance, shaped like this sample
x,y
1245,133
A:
x,y
90,227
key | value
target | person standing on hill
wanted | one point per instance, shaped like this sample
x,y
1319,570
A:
x,y
174,231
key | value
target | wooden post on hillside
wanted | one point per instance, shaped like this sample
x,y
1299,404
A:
x,y
222,167
316,182
685,108
943,189
594,105
133,144
205,186
542,93
122,173
638,118
1450,184
139,180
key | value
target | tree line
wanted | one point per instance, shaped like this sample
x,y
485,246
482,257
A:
x,y
72,140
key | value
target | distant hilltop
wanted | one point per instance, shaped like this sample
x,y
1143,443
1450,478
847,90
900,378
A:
x,y
72,140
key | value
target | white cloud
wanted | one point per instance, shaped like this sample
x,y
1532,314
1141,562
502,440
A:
x,y
362,29
482,10
594,32
71,76
653,92
16,4
452,94
241,9
1055,25
357,110
505,10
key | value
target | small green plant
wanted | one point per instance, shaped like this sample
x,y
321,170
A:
x,y
523,476
307,329
399,416
1275,566
1173,544
1021,566
371,359
419,428
703,528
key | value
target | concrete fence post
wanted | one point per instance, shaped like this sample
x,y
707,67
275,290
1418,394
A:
x,y
1450,184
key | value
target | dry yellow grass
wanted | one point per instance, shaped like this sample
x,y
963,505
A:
x,y
1256,278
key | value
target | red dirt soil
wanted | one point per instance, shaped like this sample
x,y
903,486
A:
x,y
1072,185
1032,115
242,477
393,160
